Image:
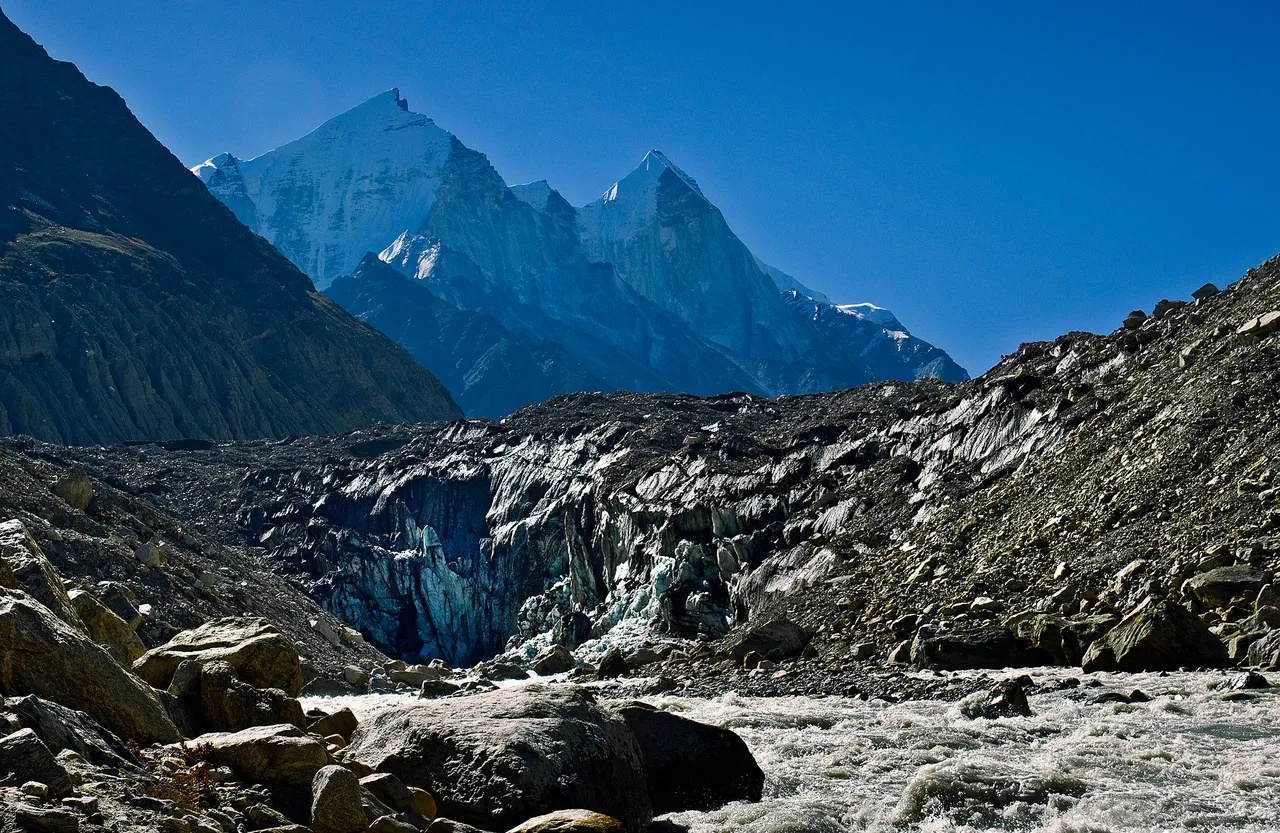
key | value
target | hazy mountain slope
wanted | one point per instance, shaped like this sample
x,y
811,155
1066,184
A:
x,y
491,370
133,305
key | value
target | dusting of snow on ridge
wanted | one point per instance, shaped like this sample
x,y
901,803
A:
x,y
873,313
348,187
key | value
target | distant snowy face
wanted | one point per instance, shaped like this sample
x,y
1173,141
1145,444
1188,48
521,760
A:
x,y
351,186
630,204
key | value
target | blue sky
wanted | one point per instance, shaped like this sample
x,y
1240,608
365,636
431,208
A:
x,y
993,172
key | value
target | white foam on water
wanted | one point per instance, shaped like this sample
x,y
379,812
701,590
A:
x,y
1187,760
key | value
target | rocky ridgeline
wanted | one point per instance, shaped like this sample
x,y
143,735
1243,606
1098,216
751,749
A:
x,y
1075,485
205,734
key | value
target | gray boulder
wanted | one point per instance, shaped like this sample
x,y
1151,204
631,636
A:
x,y
228,705
24,757
261,655
1160,637
1216,588
267,754
63,728
496,759
23,566
42,655
107,629
978,648
690,765
775,640
335,801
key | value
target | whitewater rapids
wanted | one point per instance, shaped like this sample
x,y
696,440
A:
x,y
1186,760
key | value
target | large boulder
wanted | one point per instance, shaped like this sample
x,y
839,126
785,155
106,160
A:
x,y
569,821
1216,588
267,754
776,640
229,705
1159,637
690,765
63,728
23,566
42,655
24,757
106,628
335,801
1066,640
261,655
979,648
496,759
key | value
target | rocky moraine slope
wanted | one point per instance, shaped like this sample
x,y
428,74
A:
x,y
134,306
1012,518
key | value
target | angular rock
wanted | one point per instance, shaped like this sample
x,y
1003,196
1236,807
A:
x,y
46,820
342,722
107,629
1160,637
23,566
390,790
980,648
63,728
1066,640
261,655
76,488
269,754
42,655
1218,587
775,640
335,802
554,660
229,705
496,759
570,821
613,664
1006,699
690,765
24,757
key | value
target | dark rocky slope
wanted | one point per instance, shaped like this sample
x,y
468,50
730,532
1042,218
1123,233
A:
x,y
1077,479
133,305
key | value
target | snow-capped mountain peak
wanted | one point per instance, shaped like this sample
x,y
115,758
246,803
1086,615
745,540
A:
x,y
350,186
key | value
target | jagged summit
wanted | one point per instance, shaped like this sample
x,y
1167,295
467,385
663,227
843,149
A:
x,y
350,186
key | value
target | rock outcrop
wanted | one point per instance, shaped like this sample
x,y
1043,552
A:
x,y
254,648
690,765
494,760
42,655
1162,637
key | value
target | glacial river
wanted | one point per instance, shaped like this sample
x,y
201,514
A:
x,y
1186,760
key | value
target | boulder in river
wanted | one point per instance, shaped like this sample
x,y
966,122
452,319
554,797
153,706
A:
x,y
1159,637
496,759
261,655
690,765
42,655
